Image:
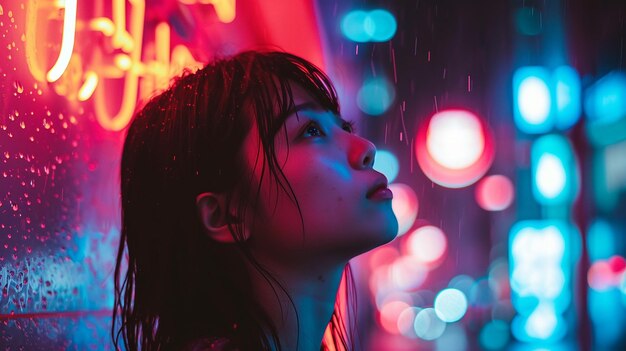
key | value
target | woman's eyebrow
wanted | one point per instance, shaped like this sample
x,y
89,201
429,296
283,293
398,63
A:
x,y
311,106
301,107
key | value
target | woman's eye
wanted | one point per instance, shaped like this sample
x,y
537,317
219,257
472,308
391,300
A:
x,y
313,129
349,126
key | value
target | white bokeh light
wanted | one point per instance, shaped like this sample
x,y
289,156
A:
x,y
455,139
450,305
550,176
405,206
542,323
428,244
427,325
537,256
534,100
406,321
408,273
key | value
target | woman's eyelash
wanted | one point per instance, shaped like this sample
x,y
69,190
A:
x,y
349,126
312,124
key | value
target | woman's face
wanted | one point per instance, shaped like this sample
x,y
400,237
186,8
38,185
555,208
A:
x,y
330,171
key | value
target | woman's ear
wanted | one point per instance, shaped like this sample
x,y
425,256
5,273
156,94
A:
x,y
213,214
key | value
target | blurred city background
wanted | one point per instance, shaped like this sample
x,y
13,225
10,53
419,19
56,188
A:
x,y
500,124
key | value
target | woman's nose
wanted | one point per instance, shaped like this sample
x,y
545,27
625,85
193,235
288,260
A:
x,y
362,152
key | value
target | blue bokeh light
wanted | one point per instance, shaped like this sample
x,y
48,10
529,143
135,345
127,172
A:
x,y
353,26
554,169
603,306
427,324
540,256
494,335
376,26
544,100
450,305
605,101
387,163
381,25
375,96
600,240
528,21
543,324
567,96
532,100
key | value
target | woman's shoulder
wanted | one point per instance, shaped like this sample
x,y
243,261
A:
x,y
210,344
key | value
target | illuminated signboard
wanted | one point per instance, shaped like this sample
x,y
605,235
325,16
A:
x,y
117,57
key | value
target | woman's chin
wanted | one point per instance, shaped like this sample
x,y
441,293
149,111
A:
x,y
390,228
380,237
390,233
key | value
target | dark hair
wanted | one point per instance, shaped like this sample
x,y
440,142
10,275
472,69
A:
x,y
177,284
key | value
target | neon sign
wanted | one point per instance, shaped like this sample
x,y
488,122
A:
x,y
118,56
225,9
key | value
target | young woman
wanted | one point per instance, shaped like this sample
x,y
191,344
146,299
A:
x,y
244,195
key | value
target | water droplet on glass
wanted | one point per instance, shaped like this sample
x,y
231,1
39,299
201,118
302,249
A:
x,y
18,87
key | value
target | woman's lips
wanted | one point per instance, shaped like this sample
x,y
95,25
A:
x,y
381,193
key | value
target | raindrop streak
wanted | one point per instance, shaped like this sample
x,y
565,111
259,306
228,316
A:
x,y
403,124
393,60
412,141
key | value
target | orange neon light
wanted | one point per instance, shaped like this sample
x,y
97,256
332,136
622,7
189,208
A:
x,y
129,42
127,64
91,82
103,25
67,43
225,9
32,21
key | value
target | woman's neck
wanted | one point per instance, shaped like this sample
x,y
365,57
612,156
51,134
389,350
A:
x,y
313,291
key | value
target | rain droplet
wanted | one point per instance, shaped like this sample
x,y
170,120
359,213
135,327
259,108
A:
x,y
18,87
